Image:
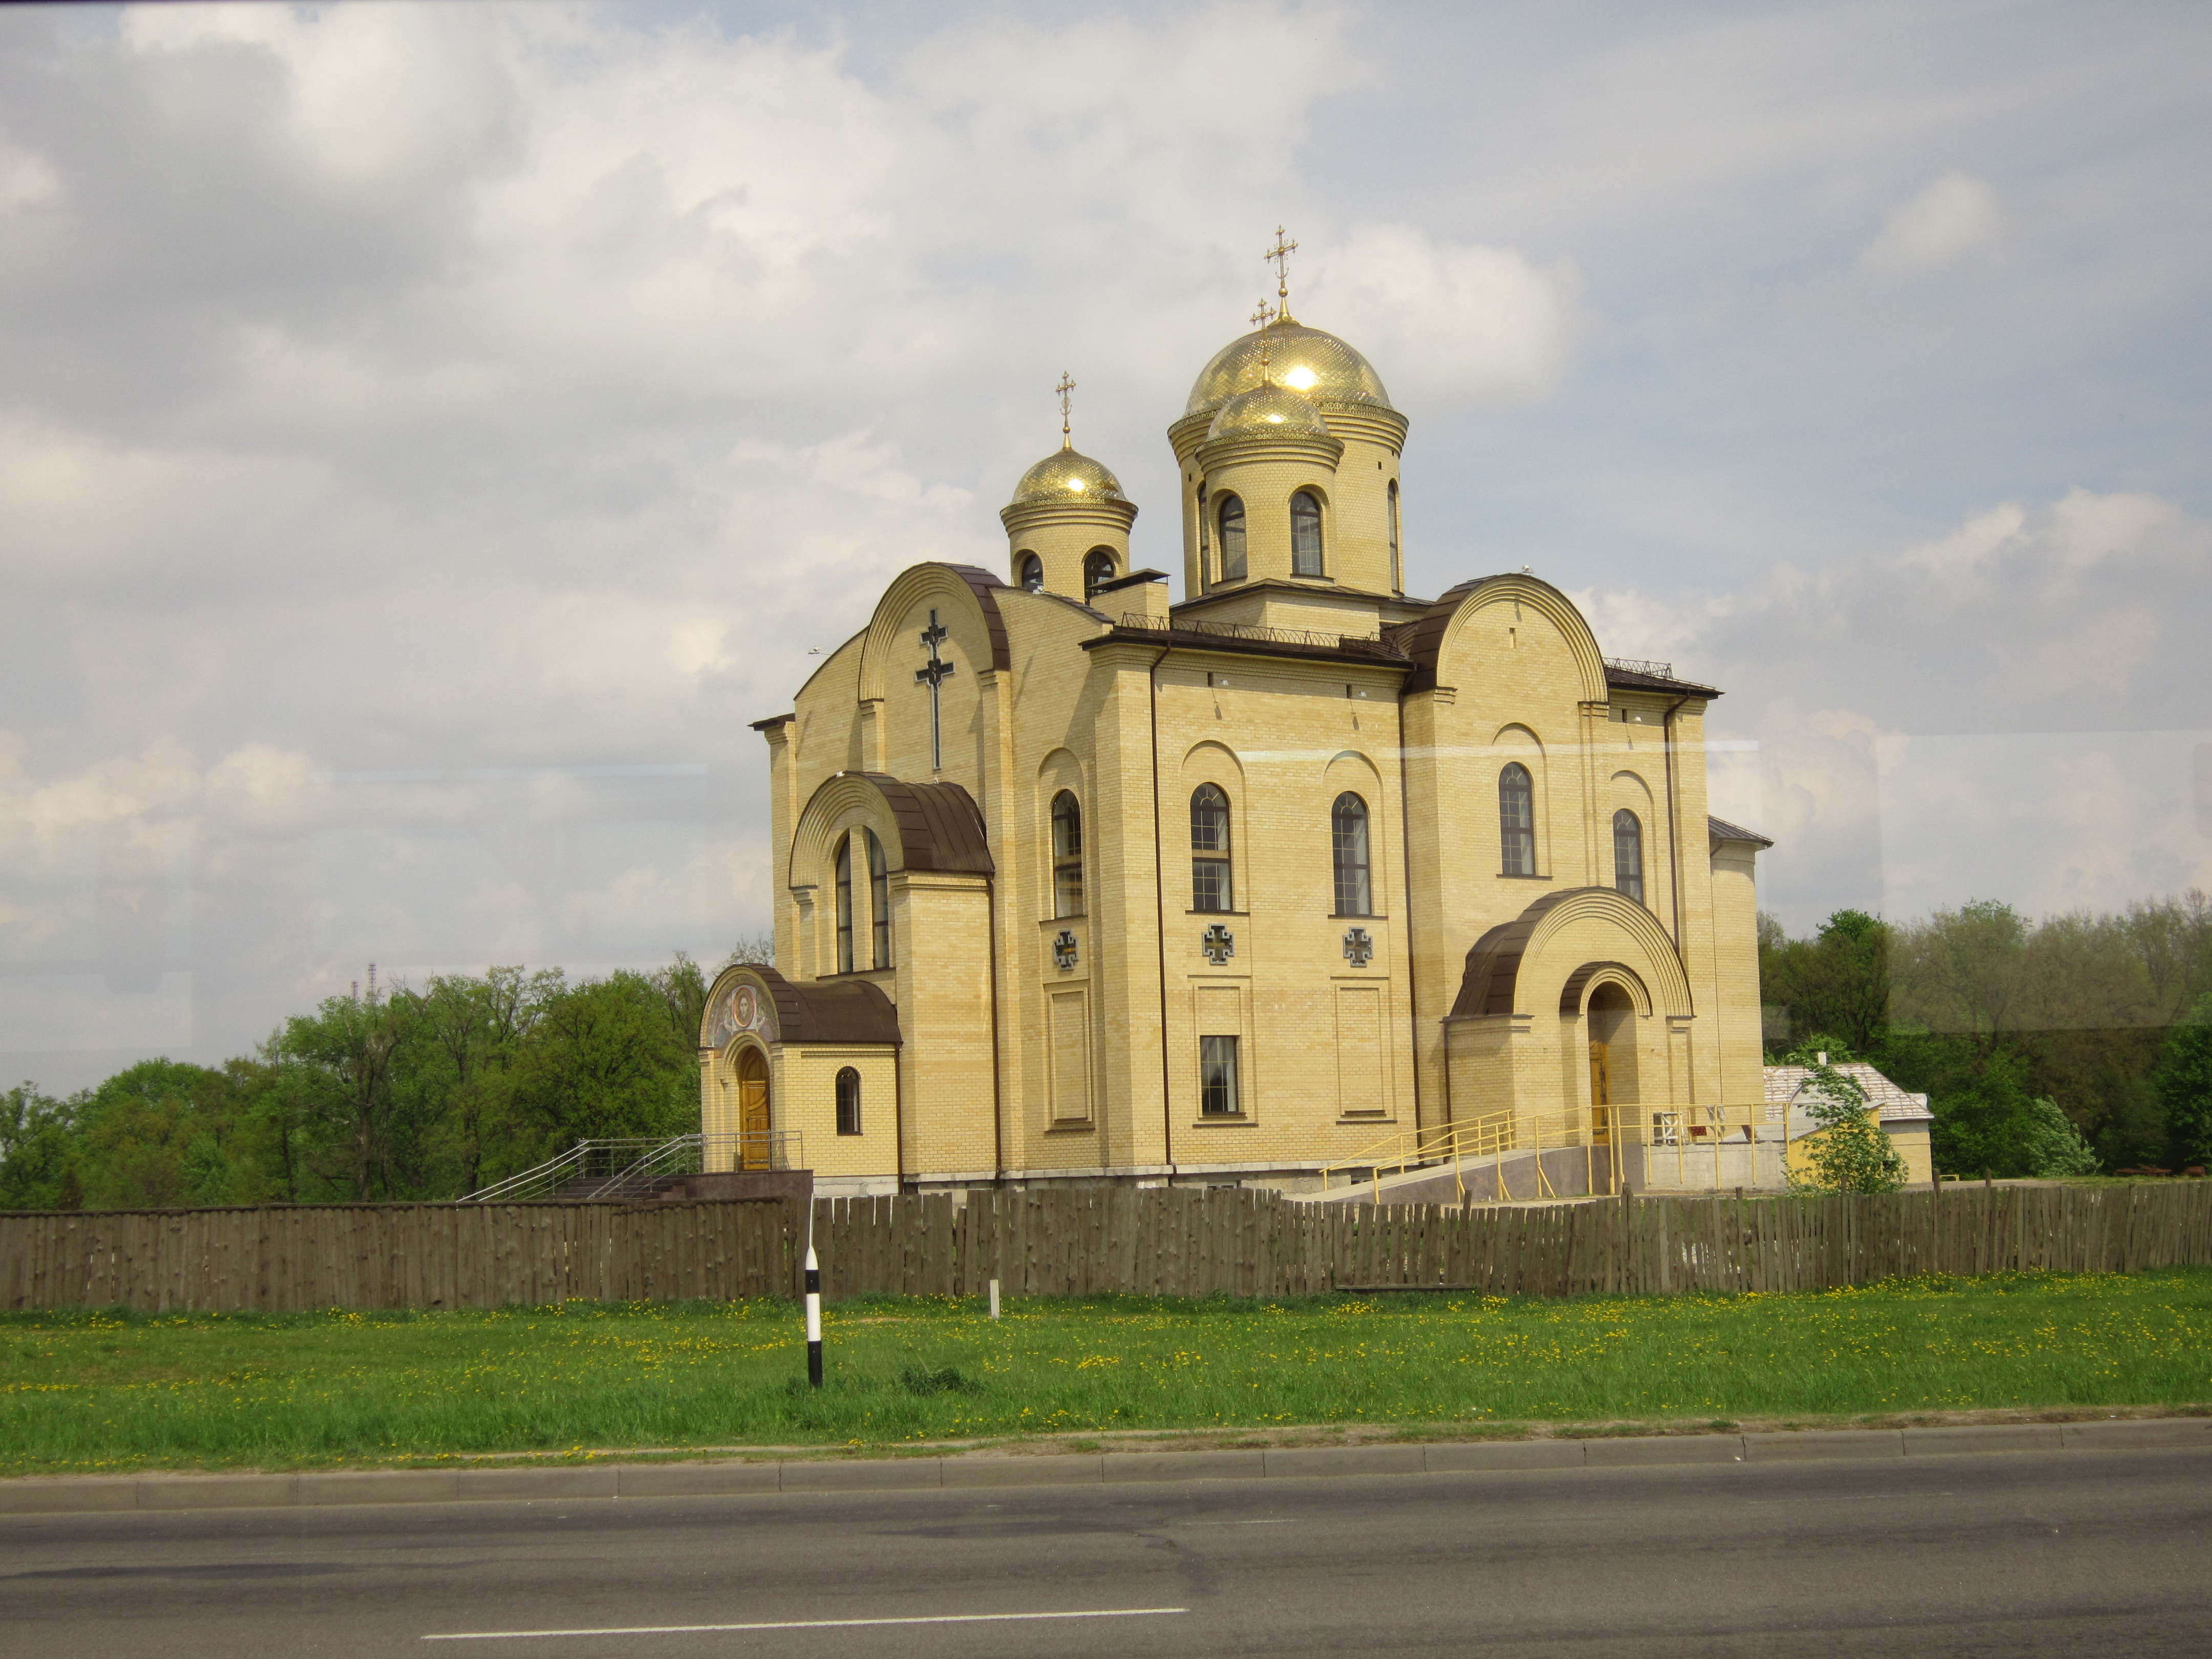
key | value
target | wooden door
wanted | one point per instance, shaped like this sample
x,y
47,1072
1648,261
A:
x,y
1601,1093
752,1110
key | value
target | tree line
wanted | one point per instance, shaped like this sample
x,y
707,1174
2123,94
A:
x,y
2048,1047
411,1093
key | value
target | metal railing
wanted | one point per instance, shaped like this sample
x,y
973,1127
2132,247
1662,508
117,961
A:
x,y
638,1167
1659,670
1366,644
1660,1147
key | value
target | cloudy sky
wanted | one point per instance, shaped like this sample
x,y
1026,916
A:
x,y
429,434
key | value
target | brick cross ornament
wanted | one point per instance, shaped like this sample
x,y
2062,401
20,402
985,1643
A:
x,y
1219,943
1358,948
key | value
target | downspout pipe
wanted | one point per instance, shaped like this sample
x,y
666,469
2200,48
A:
x,y
1674,824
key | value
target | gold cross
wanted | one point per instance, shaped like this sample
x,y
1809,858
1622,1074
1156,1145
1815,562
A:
x,y
1066,385
1279,255
1263,316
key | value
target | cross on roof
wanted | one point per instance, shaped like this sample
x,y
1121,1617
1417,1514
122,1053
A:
x,y
1066,385
1280,256
933,675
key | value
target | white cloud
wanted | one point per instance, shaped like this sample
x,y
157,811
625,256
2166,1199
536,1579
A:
x,y
1957,219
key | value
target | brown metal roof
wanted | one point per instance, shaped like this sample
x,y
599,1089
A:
x,y
940,827
982,584
1722,829
838,1011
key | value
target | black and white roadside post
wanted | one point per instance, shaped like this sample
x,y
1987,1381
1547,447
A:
x,y
813,1319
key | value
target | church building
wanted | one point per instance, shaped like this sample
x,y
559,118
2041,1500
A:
x,y
1074,881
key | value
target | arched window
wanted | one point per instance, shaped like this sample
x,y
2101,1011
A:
x,y
1097,570
1066,855
1628,854
1207,574
1028,571
1516,820
1348,835
1305,534
845,904
848,1101
880,901
1211,888
1397,568
1229,517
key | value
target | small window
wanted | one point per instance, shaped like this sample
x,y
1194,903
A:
x,y
1211,888
1066,855
1628,854
880,901
1217,1076
1516,820
1207,576
1097,570
1028,571
848,1101
1348,833
1230,518
1305,535
1397,568
845,905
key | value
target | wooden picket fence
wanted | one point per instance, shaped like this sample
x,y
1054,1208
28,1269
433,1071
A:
x,y
1073,1242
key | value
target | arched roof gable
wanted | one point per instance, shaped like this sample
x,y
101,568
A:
x,y
848,1011
1430,639
1490,983
922,826
965,587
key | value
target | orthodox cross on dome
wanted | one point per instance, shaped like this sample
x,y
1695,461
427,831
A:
x,y
935,674
1066,385
1280,256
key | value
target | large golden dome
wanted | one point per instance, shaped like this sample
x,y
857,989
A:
x,y
1318,366
1067,475
1269,409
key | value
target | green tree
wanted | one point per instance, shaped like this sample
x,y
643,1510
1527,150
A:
x,y
1848,1152
605,1060
38,1151
2184,1084
2053,1146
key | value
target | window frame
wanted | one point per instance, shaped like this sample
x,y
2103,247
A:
x,y
843,878
1397,564
847,1099
1028,565
1308,560
1066,855
1217,1077
1361,900
1212,870
1091,580
1512,836
1224,504
879,903
1635,841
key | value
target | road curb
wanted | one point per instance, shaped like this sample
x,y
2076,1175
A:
x,y
111,1494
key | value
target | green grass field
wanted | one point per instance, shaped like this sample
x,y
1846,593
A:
x,y
85,1391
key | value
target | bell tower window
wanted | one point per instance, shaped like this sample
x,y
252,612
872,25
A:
x,y
1098,571
1305,534
1397,568
1028,571
1229,518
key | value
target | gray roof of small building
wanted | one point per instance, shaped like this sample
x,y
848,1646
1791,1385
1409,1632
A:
x,y
1891,1104
1722,829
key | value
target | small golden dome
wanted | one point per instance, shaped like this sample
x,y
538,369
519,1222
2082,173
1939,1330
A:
x,y
1269,409
1316,365
1067,475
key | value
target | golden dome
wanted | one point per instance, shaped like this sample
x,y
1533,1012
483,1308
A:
x,y
1067,475
1269,409
1318,366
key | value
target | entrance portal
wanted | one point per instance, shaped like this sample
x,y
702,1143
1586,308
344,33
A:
x,y
1612,1062
752,1110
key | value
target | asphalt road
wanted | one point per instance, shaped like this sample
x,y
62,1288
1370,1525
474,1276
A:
x,y
2074,1553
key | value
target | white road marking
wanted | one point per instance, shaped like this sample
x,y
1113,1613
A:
x,y
803,1624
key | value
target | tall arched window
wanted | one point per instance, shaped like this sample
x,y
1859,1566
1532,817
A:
x,y
1211,887
1229,517
1628,854
1097,570
1066,855
1028,571
845,904
879,903
1348,836
1305,534
1516,820
1207,574
1397,567
848,1101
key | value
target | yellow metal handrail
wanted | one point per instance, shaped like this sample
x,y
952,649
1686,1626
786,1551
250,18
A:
x,y
1682,1134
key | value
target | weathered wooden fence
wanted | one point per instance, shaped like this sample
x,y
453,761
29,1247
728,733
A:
x,y
1173,1242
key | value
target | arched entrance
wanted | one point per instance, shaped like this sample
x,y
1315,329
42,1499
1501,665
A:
x,y
1611,1015
752,1109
